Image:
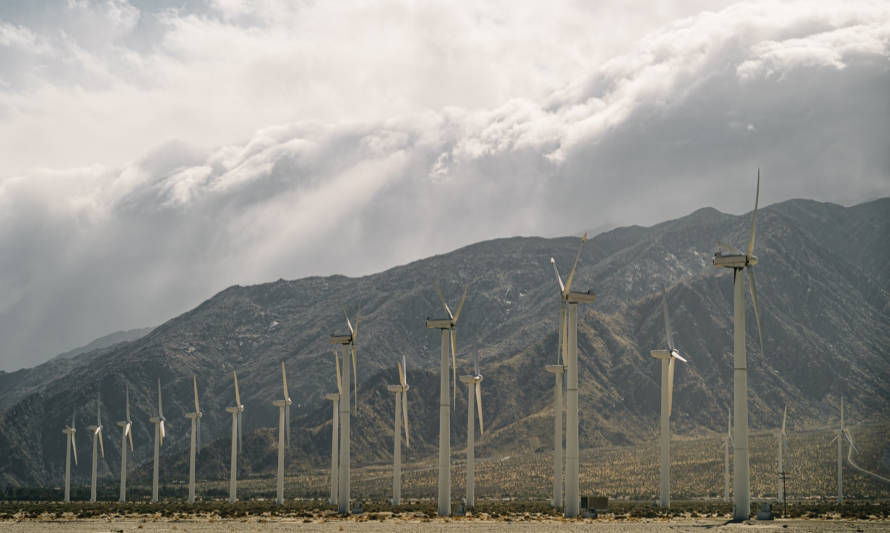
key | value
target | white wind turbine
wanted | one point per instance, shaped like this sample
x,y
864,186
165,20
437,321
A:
x,y
195,418
237,432
447,327
569,323
740,262
126,432
668,359
783,449
283,406
97,434
727,443
335,433
474,388
855,466
401,394
558,371
842,434
347,344
70,446
160,434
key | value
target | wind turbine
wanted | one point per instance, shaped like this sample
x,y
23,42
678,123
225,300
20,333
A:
x,y
195,418
727,443
401,393
740,262
126,432
568,322
160,433
782,451
347,344
335,433
283,406
446,326
842,434
97,434
237,431
850,451
474,384
70,446
668,359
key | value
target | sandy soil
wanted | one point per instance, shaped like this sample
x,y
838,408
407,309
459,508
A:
x,y
656,526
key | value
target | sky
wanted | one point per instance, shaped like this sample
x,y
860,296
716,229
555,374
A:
x,y
153,153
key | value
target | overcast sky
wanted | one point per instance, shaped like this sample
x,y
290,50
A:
x,y
153,153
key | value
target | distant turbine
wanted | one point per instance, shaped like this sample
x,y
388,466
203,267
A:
x,y
195,418
70,446
237,431
160,433
727,444
783,449
347,343
401,394
126,432
474,383
850,451
335,434
283,432
447,327
740,262
569,321
668,358
96,431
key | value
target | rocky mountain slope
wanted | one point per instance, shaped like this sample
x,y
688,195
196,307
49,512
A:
x,y
823,287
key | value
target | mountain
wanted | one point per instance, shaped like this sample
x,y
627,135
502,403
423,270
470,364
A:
x,y
823,287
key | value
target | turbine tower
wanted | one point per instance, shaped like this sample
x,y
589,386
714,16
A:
x,y
70,446
195,418
96,431
740,262
783,449
401,393
727,443
842,434
668,359
474,383
558,371
347,345
237,432
160,433
335,434
447,327
569,323
283,406
126,432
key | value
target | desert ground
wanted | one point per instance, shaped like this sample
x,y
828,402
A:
x,y
426,525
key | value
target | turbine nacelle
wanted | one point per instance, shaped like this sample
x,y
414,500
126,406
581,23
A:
x,y
734,260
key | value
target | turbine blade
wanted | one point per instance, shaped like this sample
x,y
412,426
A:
x,y
453,368
784,418
676,355
163,432
287,425
754,216
670,385
198,432
284,380
358,318
240,432
476,362
101,444
127,394
729,247
130,435
98,409
160,401
753,288
401,373
195,383
237,393
461,304
74,447
405,416
354,377
479,407
348,323
445,305
339,381
575,265
560,356
405,368
562,287
667,322
846,436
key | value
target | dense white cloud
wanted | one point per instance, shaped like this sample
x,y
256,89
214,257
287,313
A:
x,y
479,123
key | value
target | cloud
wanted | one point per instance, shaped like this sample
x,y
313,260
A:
x,y
679,121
